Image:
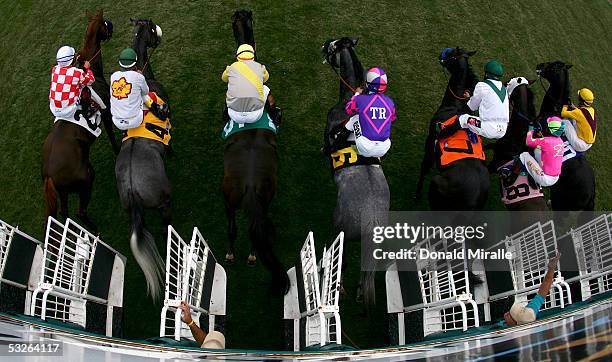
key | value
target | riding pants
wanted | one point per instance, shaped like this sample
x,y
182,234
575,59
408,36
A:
x,y
128,123
534,168
365,146
491,129
248,117
572,137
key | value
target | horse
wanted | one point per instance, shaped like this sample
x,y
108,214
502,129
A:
x,y
141,176
464,183
362,190
575,189
250,166
66,167
522,195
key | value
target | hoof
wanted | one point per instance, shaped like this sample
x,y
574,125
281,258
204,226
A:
x,y
252,260
229,258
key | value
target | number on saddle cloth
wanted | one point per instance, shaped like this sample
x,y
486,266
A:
x,y
523,188
152,127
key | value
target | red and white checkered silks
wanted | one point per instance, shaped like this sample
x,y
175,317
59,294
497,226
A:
x,y
66,83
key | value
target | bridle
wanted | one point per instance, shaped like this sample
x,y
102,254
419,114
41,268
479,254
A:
x,y
326,60
156,42
442,61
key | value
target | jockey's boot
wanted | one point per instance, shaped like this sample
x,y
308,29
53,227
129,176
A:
x,y
225,114
160,111
340,137
276,113
444,131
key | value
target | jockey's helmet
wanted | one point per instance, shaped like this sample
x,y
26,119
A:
x,y
65,55
245,52
445,53
555,126
586,96
494,70
127,58
376,80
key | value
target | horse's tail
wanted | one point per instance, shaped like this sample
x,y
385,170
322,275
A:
x,y
367,278
261,232
144,249
50,197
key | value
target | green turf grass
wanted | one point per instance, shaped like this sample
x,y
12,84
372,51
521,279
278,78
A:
x,y
404,38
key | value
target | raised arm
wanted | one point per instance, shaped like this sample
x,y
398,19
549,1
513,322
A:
x,y
533,142
198,334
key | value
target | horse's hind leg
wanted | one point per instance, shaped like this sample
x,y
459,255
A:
x,y
232,232
63,196
84,199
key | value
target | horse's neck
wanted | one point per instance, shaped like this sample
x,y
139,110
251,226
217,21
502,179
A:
x,y
555,96
352,73
143,60
458,83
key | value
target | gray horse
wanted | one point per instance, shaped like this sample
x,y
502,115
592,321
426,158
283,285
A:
x,y
362,189
141,175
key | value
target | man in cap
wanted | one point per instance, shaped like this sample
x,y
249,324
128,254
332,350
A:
x,y
130,94
521,314
212,340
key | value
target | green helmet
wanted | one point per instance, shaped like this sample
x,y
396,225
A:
x,y
127,58
494,70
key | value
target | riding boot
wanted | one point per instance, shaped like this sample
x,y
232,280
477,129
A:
x,y
444,131
160,111
276,113
225,114
340,136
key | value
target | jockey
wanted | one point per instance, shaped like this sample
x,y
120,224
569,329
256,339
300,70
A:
x,y
372,114
130,92
580,123
491,100
247,95
545,168
66,83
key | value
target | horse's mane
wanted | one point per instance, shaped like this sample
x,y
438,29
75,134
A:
x,y
357,67
89,42
242,32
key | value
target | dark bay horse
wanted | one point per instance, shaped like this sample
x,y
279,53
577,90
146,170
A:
x,y
463,184
575,189
66,168
141,174
250,166
362,190
523,113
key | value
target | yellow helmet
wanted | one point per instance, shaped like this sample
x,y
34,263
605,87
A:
x,y
586,96
245,52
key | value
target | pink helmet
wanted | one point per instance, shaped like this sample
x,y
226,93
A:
x,y
376,80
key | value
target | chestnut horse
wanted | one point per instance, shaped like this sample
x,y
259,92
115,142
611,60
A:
x,y
66,168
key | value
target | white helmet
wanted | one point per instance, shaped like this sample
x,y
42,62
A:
x,y
65,55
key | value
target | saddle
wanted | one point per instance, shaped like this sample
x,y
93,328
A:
x,y
458,146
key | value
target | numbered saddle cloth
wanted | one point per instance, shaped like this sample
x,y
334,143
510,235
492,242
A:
x,y
232,127
152,127
87,116
459,146
520,190
349,156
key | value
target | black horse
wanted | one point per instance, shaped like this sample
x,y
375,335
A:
x,y
141,175
523,113
463,184
575,189
249,180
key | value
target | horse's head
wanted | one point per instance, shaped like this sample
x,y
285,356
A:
x,y
242,25
552,70
331,50
454,59
146,33
519,84
98,29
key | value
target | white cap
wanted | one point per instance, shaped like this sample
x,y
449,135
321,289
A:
x,y
515,82
158,31
521,314
214,340
65,55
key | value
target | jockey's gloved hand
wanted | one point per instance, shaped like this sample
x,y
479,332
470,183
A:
x,y
160,111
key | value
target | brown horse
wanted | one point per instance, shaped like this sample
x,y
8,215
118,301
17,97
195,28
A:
x,y
249,181
66,168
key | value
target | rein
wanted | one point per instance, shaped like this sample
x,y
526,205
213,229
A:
x,y
451,91
342,79
149,58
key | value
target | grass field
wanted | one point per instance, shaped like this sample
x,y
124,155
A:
x,y
404,38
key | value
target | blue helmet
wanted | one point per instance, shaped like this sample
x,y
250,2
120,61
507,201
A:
x,y
445,53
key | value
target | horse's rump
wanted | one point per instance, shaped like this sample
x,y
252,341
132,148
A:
x,y
140,171
66,154
363,192
575,189
463,185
